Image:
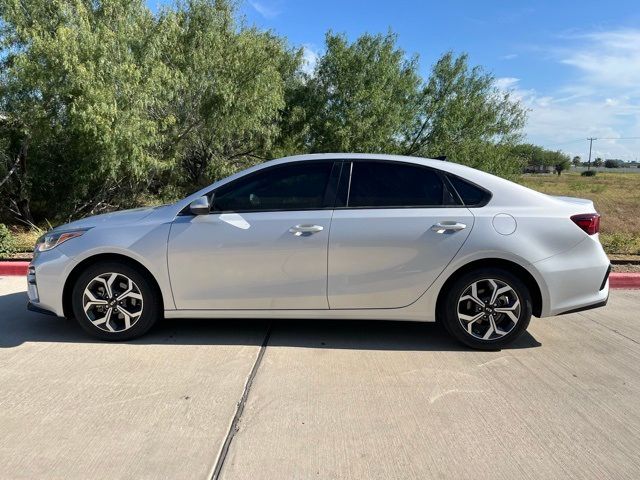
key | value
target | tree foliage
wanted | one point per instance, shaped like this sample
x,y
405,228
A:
x,y
360,96
226,92
79,78
104,104
535,156
462,114
611,163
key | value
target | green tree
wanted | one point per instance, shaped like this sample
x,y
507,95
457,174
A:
x,y
535,156
531,155
463,115
576,161
367,96
227,90
359,97
78,80
610,163
597,162
559,160
102,100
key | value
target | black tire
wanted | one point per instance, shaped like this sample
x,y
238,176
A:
x,y
448,309
151,306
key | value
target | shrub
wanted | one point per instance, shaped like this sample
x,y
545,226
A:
x,y
588,173
612,164
7,242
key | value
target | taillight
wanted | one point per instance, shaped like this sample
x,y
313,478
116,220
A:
x,y
589,222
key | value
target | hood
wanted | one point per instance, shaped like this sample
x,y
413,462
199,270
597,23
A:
x,y
122,217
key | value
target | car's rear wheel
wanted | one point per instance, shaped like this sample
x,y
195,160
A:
x,y
486,308
114,301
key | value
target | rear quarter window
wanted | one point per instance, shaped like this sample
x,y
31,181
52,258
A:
x,y
471,195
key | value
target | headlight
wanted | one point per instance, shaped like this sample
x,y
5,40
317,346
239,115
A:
x,y
52,240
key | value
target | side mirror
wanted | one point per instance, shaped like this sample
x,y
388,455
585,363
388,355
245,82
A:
x,y
200,206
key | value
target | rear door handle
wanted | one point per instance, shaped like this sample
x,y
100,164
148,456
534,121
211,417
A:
x,y
443,227
305,230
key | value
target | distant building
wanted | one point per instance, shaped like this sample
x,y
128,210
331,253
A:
x,y
538,169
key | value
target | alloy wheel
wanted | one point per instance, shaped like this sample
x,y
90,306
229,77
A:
x,y
488,309
112,302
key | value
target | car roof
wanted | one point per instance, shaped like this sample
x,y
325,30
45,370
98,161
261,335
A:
x,y
361,156
472,174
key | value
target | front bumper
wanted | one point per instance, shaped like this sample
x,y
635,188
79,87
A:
x,y
34,308
45,281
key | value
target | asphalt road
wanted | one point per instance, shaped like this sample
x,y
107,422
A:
x,y
199,399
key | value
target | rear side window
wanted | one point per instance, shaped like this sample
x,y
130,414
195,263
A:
x,y
296,186
387,184
471,195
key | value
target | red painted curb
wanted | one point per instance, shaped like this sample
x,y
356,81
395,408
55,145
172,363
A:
x,y
624,280
616,280
13,268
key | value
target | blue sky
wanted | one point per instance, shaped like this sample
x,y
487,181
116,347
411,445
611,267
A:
x,y
575,65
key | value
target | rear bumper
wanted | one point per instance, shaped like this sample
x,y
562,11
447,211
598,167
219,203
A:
x,y
587,307
577,279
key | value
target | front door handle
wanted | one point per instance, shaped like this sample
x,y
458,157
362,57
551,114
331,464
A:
x,y
305,230
443,227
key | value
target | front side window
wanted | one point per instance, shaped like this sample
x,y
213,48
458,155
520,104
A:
x,y
296,186
388,184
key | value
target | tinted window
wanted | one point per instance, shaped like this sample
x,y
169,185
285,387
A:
x,y
297,186
386,184
469,193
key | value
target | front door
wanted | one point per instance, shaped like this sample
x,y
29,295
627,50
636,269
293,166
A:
x,y
263,246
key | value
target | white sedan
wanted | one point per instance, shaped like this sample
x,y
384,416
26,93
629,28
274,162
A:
x,y
348,236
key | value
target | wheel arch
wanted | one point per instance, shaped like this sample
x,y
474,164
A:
x,y
99,258
516,269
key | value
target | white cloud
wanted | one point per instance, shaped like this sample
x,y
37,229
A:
x,y
509,56
610,59
309,59
506,83
603,100
266,9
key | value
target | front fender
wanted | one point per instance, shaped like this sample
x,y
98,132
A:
x,y
143,243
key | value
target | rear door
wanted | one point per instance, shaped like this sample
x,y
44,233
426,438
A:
x,y
398,227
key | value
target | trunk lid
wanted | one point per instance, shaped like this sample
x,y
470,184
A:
x,y
583,205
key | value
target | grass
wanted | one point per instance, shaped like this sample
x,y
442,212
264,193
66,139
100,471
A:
x,y
616,197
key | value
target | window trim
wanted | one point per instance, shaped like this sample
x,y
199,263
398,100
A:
x,y
439,173
334,176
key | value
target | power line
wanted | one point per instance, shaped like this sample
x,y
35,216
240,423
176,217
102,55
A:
x,y
563,143
582,139
616,138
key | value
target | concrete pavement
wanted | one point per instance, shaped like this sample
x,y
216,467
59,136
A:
x,y
72,408
328,399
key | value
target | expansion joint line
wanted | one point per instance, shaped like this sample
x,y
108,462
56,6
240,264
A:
x,y
217,468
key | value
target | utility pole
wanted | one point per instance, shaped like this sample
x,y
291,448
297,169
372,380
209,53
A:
x,y
591,139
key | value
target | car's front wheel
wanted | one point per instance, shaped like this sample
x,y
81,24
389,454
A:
x,y
115,301
486,308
